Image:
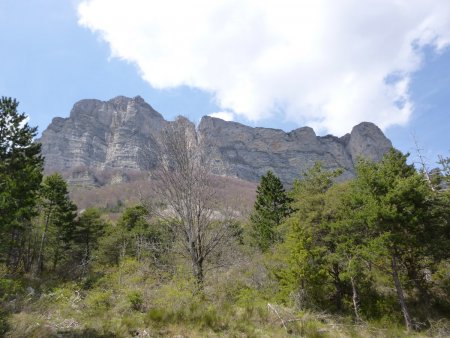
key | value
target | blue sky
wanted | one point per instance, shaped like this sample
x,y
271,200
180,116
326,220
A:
x,y
252,62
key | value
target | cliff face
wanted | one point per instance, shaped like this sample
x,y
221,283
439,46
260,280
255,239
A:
x,y
120,133
245,152
112,134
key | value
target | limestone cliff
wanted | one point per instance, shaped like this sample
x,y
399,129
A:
x,y
112,134
245,152
119,134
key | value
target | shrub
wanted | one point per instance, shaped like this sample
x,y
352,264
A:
x,y
135,299
9,287
99,300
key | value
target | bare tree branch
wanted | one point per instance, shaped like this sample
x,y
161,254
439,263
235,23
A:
x,y
185,195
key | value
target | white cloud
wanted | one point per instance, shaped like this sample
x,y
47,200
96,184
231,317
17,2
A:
x,y
224,115
324,63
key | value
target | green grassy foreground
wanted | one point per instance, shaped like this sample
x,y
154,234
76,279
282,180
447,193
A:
x,y
135,300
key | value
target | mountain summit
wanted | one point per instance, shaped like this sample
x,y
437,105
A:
x,y
118,134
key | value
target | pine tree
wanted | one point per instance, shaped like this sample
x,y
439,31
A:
x,y
89,228
402,219
314,268
58,215
270,209
20,177
134,236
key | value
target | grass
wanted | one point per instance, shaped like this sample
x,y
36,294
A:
x,y
129,301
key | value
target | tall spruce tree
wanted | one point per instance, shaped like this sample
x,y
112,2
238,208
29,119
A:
x,y
272,205
20,177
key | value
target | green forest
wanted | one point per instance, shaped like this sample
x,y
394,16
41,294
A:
x,y
324,257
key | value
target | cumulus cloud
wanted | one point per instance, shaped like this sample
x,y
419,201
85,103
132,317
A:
x,y
324,63
224,115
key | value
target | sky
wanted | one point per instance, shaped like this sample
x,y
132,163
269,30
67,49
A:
x,y
281,64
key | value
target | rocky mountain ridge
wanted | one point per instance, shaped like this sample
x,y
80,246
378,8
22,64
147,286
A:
x,y
117,136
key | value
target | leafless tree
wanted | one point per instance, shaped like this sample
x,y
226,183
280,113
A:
x,y
186,196
422,163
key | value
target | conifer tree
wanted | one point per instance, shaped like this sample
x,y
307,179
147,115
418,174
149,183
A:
x,y
89,229
401,217
20,177
133,235
270,209
58,214
314,266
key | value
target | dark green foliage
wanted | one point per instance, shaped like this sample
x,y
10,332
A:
x,y
148,239
4,327
396,203
134,236
314,262
114,245
134,217
20,178
89,228
57,221
270,209
345,242
401,216
135,298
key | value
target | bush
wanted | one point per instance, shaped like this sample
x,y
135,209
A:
x,y
9,287
99,300
135,299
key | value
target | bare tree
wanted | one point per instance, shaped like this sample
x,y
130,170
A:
x,y
187,198
422,163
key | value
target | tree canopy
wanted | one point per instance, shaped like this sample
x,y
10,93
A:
x,y
271,207
20,177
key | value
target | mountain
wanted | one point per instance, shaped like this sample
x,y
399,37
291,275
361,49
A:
x,y
102,142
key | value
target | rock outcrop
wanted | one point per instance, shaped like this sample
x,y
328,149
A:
x,y
102,135
247,153
119,135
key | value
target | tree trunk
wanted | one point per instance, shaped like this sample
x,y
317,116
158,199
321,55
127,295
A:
x,y
355,300
88,252
197,268
56,256
11,245
40,263
401,297
338,294
29,254
197,260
